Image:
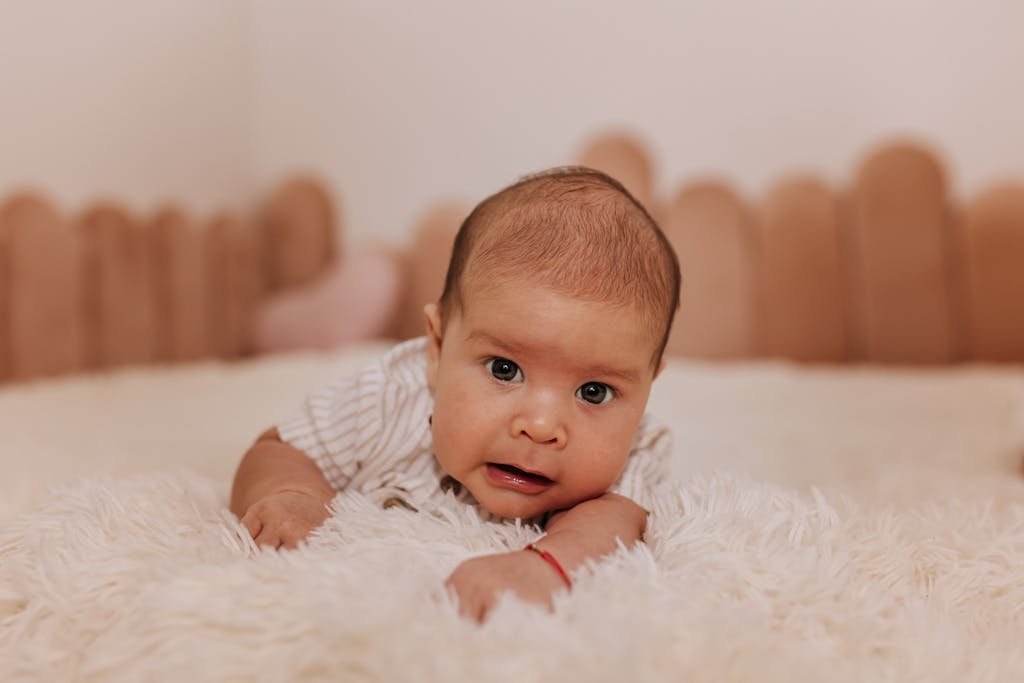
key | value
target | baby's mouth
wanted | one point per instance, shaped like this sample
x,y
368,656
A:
x,y
529,476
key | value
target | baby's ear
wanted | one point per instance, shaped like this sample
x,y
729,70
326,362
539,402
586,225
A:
x,y
432,312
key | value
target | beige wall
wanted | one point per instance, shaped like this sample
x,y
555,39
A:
x,y
400,103
146,100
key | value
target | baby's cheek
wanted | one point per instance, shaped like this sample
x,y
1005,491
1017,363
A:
x,y
455,428
599,467
444,425
440,425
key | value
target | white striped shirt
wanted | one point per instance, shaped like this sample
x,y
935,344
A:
x,y
370,433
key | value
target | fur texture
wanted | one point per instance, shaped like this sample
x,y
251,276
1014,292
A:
x,y
840,525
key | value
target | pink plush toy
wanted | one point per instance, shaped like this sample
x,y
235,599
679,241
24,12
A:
x,y
356,298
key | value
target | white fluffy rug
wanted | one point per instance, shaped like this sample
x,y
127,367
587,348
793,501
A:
x,y
840,525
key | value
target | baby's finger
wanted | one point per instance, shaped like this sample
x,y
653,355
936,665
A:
x,y
467,608
291,532
252,523
268,536
471,606
485,603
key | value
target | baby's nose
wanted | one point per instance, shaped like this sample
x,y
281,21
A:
x,y
542,422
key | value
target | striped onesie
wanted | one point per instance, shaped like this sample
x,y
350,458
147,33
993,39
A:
x,y
370,433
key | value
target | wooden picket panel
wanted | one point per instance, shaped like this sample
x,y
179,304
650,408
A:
x,y
427,264
992,238
301,232
801,295
107,291
903,300
235,284
119,319
43,278
180,287
708,227
5,298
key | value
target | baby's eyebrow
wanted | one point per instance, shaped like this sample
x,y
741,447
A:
x,y
515,349
488,338
629,376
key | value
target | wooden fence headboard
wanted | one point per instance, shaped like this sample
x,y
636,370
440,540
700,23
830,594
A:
x,y
889,269
107,288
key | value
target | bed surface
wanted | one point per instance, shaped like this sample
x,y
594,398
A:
x,y
828,524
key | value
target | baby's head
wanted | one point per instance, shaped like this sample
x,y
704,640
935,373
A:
x,y
576,231
558,303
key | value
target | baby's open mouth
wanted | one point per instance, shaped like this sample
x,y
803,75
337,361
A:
x,y
529,476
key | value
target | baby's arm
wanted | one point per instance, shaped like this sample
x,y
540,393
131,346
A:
x,y
279,493
589,530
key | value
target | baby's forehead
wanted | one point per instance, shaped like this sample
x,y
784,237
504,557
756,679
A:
x,y
540,233
527,318
599,259
480,291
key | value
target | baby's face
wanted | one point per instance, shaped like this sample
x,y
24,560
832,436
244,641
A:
x,y
537,395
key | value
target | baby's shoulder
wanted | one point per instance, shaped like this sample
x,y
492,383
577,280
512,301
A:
x,y
399,392
393,379
405,364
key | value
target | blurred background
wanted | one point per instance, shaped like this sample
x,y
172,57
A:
x,y
158,138
397,104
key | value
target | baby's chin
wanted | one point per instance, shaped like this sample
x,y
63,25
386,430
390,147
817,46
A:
x,y
512,506
517,506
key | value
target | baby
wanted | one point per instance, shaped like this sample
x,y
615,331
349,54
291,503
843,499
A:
x,y
525,399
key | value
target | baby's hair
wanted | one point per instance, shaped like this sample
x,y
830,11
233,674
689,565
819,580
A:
x,y
576,230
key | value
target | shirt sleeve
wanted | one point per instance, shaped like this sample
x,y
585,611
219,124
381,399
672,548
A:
x,y
361,428
335,423
648,465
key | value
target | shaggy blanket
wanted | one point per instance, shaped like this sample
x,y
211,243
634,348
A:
x,y
826,524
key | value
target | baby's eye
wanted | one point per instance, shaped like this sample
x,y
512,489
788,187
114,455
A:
x,y
505,370
596,393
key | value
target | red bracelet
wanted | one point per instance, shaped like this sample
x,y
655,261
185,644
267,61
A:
x,y
550,559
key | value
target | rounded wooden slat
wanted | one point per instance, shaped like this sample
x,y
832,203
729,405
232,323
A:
x,y
801,293
5,299
902,275
43,276
180,287
992,237
235,284
708,228
625,158
118,318
300,233
402,323
427,264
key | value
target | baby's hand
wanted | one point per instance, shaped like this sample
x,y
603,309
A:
x,y
479,581
284,518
